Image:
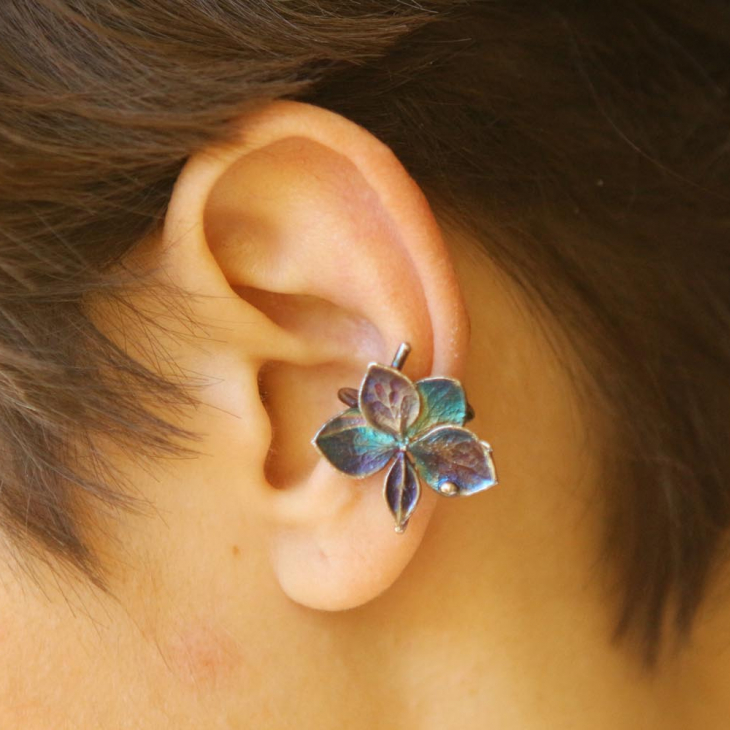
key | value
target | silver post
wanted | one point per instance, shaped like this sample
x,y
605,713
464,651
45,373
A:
x,y
404,350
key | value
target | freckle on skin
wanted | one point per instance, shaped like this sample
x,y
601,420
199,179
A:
x,y
236,551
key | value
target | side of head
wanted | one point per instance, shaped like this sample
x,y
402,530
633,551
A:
x,y
203,238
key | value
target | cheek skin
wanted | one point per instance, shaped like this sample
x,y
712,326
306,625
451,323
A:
x,y
202,655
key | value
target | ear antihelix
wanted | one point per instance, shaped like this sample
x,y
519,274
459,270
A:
x,y
417,428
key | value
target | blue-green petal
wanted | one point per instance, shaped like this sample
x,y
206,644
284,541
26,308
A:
x,y
442,401
352,446
454,454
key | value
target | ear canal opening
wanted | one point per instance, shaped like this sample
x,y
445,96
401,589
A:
x,y
270,471
299,399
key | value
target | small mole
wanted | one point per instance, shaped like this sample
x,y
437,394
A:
x,y
236,551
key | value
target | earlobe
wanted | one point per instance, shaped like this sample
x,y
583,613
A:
x,y
313,227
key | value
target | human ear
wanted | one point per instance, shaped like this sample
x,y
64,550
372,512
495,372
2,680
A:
x,y
311,241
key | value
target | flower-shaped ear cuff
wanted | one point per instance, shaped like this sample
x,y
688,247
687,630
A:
x,y
418,426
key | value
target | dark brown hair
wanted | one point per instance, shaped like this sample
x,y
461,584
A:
x,y
586,144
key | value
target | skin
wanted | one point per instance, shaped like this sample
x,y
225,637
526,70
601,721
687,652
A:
x,y
264,590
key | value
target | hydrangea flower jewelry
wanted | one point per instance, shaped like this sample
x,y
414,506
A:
x,y
419,426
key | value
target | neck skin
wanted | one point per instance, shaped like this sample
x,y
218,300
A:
x,y
501,620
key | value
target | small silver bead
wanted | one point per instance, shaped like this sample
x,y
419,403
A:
x,y
448,488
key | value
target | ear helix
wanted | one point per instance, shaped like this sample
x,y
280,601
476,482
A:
x,y
417,428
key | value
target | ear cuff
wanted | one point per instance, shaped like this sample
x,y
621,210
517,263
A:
x,y
417,428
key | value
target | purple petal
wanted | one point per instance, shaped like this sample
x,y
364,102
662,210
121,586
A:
x,y
388,400
453,454
402,490
352,446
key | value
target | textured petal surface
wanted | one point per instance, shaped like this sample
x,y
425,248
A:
x,y
352,446
389,400
454,454
402,490
442,401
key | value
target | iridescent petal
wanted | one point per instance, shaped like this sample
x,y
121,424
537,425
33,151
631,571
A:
x,y
442,401
388,400
352,446
402,490
453,454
